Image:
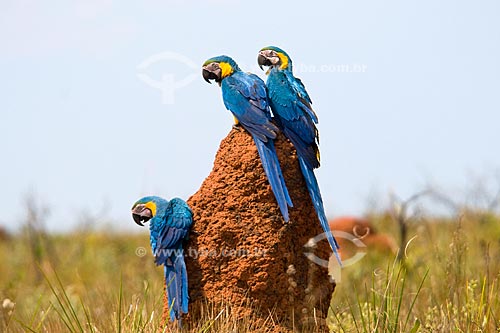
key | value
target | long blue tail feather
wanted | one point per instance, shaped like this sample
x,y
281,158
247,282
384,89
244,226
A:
x,y
277,168
272,168
313,188
185,295
177,287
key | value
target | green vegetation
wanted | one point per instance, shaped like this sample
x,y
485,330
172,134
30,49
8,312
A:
x,y
449,282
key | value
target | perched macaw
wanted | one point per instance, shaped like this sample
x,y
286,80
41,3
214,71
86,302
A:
x,y
245,96
169,226
291,107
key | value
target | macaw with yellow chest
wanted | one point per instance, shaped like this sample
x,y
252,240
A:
x,y
291,107
245,96
169,224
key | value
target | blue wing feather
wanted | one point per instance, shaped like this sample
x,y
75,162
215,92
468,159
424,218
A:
x,y
245,96
289,92
178,220
294,115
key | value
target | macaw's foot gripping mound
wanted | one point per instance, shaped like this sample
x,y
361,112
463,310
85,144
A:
x,y
243,258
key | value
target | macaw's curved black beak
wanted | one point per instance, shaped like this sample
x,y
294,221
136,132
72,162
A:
x,y
141,214
262,60
207,75
211,72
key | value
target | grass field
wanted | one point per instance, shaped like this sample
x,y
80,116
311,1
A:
x,y
448,283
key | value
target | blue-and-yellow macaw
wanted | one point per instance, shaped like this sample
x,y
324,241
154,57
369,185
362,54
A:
x,y
245,96
169,226
291,106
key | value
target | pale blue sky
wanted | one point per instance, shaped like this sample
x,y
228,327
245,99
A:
x,y
80,127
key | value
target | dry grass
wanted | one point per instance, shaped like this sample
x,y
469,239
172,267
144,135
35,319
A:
x,y
449,283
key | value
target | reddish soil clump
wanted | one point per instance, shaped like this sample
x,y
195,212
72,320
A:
x,y
363,230
241,253
4,235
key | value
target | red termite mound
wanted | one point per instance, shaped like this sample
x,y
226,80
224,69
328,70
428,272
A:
x,y
241,253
